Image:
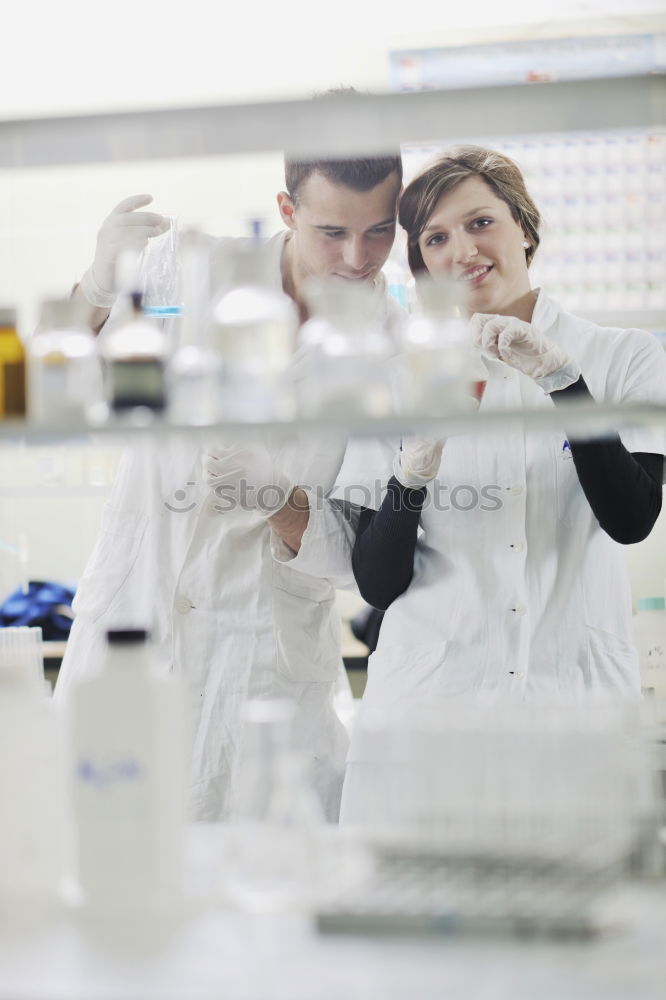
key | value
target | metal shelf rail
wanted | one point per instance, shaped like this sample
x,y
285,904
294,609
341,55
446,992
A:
x,y
578,418
340,126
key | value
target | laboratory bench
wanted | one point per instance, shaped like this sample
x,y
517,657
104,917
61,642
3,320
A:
x,y
354,655
211,950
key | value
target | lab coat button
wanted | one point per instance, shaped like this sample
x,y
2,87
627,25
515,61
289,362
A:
x,y
183,606
519,609
517,546
516,489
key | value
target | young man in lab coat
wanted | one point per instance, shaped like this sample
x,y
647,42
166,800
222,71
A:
x,y
230,609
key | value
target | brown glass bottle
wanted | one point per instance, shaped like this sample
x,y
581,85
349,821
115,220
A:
x,y
12,367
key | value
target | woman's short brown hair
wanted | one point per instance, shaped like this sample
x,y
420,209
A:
x,y
503,177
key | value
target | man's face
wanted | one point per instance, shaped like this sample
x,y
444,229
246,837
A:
x,y
339,232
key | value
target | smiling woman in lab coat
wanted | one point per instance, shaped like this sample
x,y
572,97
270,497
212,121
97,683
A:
x,y
516,585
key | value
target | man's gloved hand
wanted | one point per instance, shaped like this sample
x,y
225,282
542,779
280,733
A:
x,y
245,477
124,228
418,460
522,347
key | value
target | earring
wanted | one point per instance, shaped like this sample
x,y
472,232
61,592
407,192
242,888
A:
x,y
526,245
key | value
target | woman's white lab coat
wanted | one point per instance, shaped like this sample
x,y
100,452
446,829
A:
x,y
517,590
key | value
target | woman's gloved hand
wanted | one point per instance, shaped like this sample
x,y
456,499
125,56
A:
x,y
522,347
245,478
124,228
417,463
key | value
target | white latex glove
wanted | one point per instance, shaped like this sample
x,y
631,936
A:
x,y
417,462
245,477
522,347
124,228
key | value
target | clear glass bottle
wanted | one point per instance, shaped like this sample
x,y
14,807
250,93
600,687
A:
x,y
160,274
346,346
64,374
438,370
254,330
194,372
273,852
12,367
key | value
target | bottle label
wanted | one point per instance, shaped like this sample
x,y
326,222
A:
x,y
137,383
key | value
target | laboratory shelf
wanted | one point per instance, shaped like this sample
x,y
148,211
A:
x,y
627,319
578,418
340,126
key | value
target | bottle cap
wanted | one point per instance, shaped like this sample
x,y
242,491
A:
x,y
651,604
126,636
7,317
256,226
243,262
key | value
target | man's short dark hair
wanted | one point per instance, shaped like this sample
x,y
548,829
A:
x,y
361,174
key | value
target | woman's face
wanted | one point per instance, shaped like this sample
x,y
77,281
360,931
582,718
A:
x,y
473,238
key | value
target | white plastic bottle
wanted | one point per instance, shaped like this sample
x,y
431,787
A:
x,y
650,635
126,766
31,790
64,375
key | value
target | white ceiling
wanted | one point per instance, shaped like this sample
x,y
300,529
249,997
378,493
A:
x,y
76,56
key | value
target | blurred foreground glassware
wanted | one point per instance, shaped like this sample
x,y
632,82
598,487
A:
x,y
134,352
194,371
437,371
254,331
127,774
64,373
347,347
31,788
515,818
650,635
12,367
270,860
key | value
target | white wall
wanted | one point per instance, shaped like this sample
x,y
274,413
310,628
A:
x,y
51,500
51,215
74,56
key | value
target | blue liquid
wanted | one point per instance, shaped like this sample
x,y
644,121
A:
x,y
162,310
